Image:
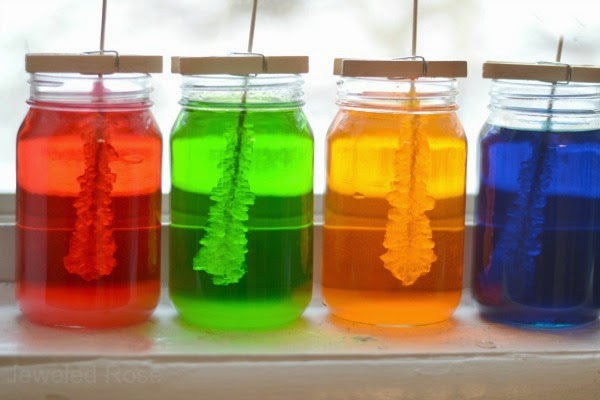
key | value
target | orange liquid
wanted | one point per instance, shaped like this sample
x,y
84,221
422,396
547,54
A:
x,y
394,217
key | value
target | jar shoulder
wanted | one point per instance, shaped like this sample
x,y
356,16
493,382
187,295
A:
x,y
353,124
48,123
213,122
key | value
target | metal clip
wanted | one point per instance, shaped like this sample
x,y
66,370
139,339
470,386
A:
x,y
264,60
415,58
569,71
101,52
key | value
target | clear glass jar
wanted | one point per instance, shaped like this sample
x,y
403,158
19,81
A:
x,y
88,201
537,246
394,205
241,202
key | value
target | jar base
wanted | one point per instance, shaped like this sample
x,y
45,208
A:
x,y
240,315
538,318
88,307
390,308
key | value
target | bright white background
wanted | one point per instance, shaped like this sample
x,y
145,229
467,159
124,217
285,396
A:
x,y
474,30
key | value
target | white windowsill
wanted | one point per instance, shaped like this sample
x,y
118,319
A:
x,y
316,358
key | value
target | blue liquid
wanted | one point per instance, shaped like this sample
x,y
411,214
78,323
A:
x,y
537,246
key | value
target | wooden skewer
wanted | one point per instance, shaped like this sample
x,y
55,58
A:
x,y
103,24
252,26
560,48
414,27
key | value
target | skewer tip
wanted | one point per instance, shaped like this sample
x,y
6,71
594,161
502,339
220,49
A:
x,y
559,50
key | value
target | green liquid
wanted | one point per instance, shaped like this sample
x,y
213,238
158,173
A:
x,y
276,286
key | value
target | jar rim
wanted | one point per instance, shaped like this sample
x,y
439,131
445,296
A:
x,y
79,76
538,84
119,91
544,106
422,95
227,91
248,82
422,79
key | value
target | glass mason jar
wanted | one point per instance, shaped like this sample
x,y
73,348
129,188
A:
x,y
241,202
537,246
88,201
395,202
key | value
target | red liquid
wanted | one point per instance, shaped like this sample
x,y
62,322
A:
x,y
88,217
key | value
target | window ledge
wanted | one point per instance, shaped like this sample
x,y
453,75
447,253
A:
x,y
319,357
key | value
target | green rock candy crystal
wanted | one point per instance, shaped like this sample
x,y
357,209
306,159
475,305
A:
x,y
223,249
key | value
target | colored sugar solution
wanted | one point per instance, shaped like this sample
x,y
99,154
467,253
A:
x,y
276,285
51,162
538,227
363,154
